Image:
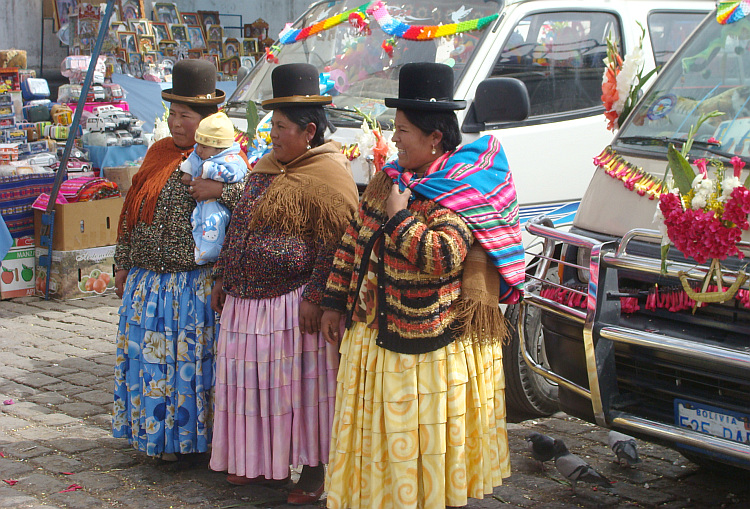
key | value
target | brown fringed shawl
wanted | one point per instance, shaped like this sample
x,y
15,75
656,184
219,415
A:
x,y
314,196
160,162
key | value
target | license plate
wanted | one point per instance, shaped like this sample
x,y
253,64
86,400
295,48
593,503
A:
x,y
711,420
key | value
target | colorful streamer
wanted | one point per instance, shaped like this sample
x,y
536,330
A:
x,y
729,12
290,35
423,32
390,26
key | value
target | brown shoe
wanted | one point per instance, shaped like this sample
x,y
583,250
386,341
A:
x,y
299,497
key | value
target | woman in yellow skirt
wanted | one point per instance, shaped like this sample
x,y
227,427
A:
x,y
436,245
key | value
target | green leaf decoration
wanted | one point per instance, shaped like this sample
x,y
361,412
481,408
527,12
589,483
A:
x,y
251,114
664,253
681,170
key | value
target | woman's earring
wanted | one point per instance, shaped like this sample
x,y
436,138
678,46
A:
x,y
308,144
433,150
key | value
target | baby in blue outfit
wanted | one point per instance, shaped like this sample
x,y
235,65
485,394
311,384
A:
x,y
217,157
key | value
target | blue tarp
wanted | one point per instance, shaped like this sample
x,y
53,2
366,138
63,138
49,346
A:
x,y
108,157
144,97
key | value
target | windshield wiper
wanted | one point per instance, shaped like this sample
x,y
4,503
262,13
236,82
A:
x,y
662,141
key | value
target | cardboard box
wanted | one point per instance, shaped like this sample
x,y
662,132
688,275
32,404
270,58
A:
x,y
82,225
121,175
17,278
77,274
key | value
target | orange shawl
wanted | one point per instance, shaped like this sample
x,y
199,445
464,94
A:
x,y
160,162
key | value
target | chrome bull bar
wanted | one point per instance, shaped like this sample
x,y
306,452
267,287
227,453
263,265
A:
x,y
617,256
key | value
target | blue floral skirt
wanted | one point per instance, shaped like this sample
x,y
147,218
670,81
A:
x,y
164,370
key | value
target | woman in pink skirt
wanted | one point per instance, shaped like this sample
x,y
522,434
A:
x,y
275,374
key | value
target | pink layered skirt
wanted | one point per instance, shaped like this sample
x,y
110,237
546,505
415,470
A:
x,y
275,390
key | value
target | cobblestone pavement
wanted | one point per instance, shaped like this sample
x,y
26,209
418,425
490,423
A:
x,y
56,365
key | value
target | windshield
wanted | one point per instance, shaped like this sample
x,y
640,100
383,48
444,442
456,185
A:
x,y
360,69
710,73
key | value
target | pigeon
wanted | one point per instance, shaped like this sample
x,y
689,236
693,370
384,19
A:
x,y
624,448
540,447
575,469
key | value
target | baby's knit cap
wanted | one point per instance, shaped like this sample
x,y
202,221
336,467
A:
x,y
215,131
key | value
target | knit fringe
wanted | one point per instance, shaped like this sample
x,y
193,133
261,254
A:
x,y
480,323
296,212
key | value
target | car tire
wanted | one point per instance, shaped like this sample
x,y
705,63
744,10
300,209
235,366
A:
x,y
527,394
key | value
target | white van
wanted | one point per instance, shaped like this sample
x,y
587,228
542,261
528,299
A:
x,y
556,47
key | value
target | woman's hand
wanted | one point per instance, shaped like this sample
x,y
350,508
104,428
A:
x,y
120,277
218,295
309,317
397,201
330,325
205,189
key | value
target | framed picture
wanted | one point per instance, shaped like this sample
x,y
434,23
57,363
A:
x,y
231,47
128,41
135,58
249,46
150,58
146,43
195,53
257,29
62,10
230,65
248,62
121,55
139,26
214,33
178,32
212,58
160,31
214,47
167,46
196,37
190,18
118,26
208,18
131,9
166,12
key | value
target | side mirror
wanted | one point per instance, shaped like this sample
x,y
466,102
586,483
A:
x,y
497,100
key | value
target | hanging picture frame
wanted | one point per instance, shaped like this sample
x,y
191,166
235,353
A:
x,y
160,31
214,47
195,54
231,47
131,9
139,26
166,12
178,32
214,33
208,18
128,41
190,18
62,10
146,43
249,47
196,37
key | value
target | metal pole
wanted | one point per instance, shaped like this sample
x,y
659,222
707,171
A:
x,y
48,217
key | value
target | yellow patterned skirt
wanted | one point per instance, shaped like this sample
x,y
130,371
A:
x,y
416,431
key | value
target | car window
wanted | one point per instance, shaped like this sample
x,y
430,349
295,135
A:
x,y
669,30
559,56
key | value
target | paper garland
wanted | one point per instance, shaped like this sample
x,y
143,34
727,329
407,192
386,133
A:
x,y
729,12
631,176
390,26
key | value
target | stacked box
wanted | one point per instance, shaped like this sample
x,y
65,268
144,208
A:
x,y
17,272
83,224
77,274
8,152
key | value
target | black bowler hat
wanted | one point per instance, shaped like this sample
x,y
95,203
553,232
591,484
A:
x,y
295,85
425,86
193,82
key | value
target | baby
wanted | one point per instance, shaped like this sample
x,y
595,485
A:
x,y
216,156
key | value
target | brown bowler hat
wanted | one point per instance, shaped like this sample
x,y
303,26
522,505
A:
x,y
193,82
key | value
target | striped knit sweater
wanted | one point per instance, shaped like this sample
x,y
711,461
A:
x,y
420,265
